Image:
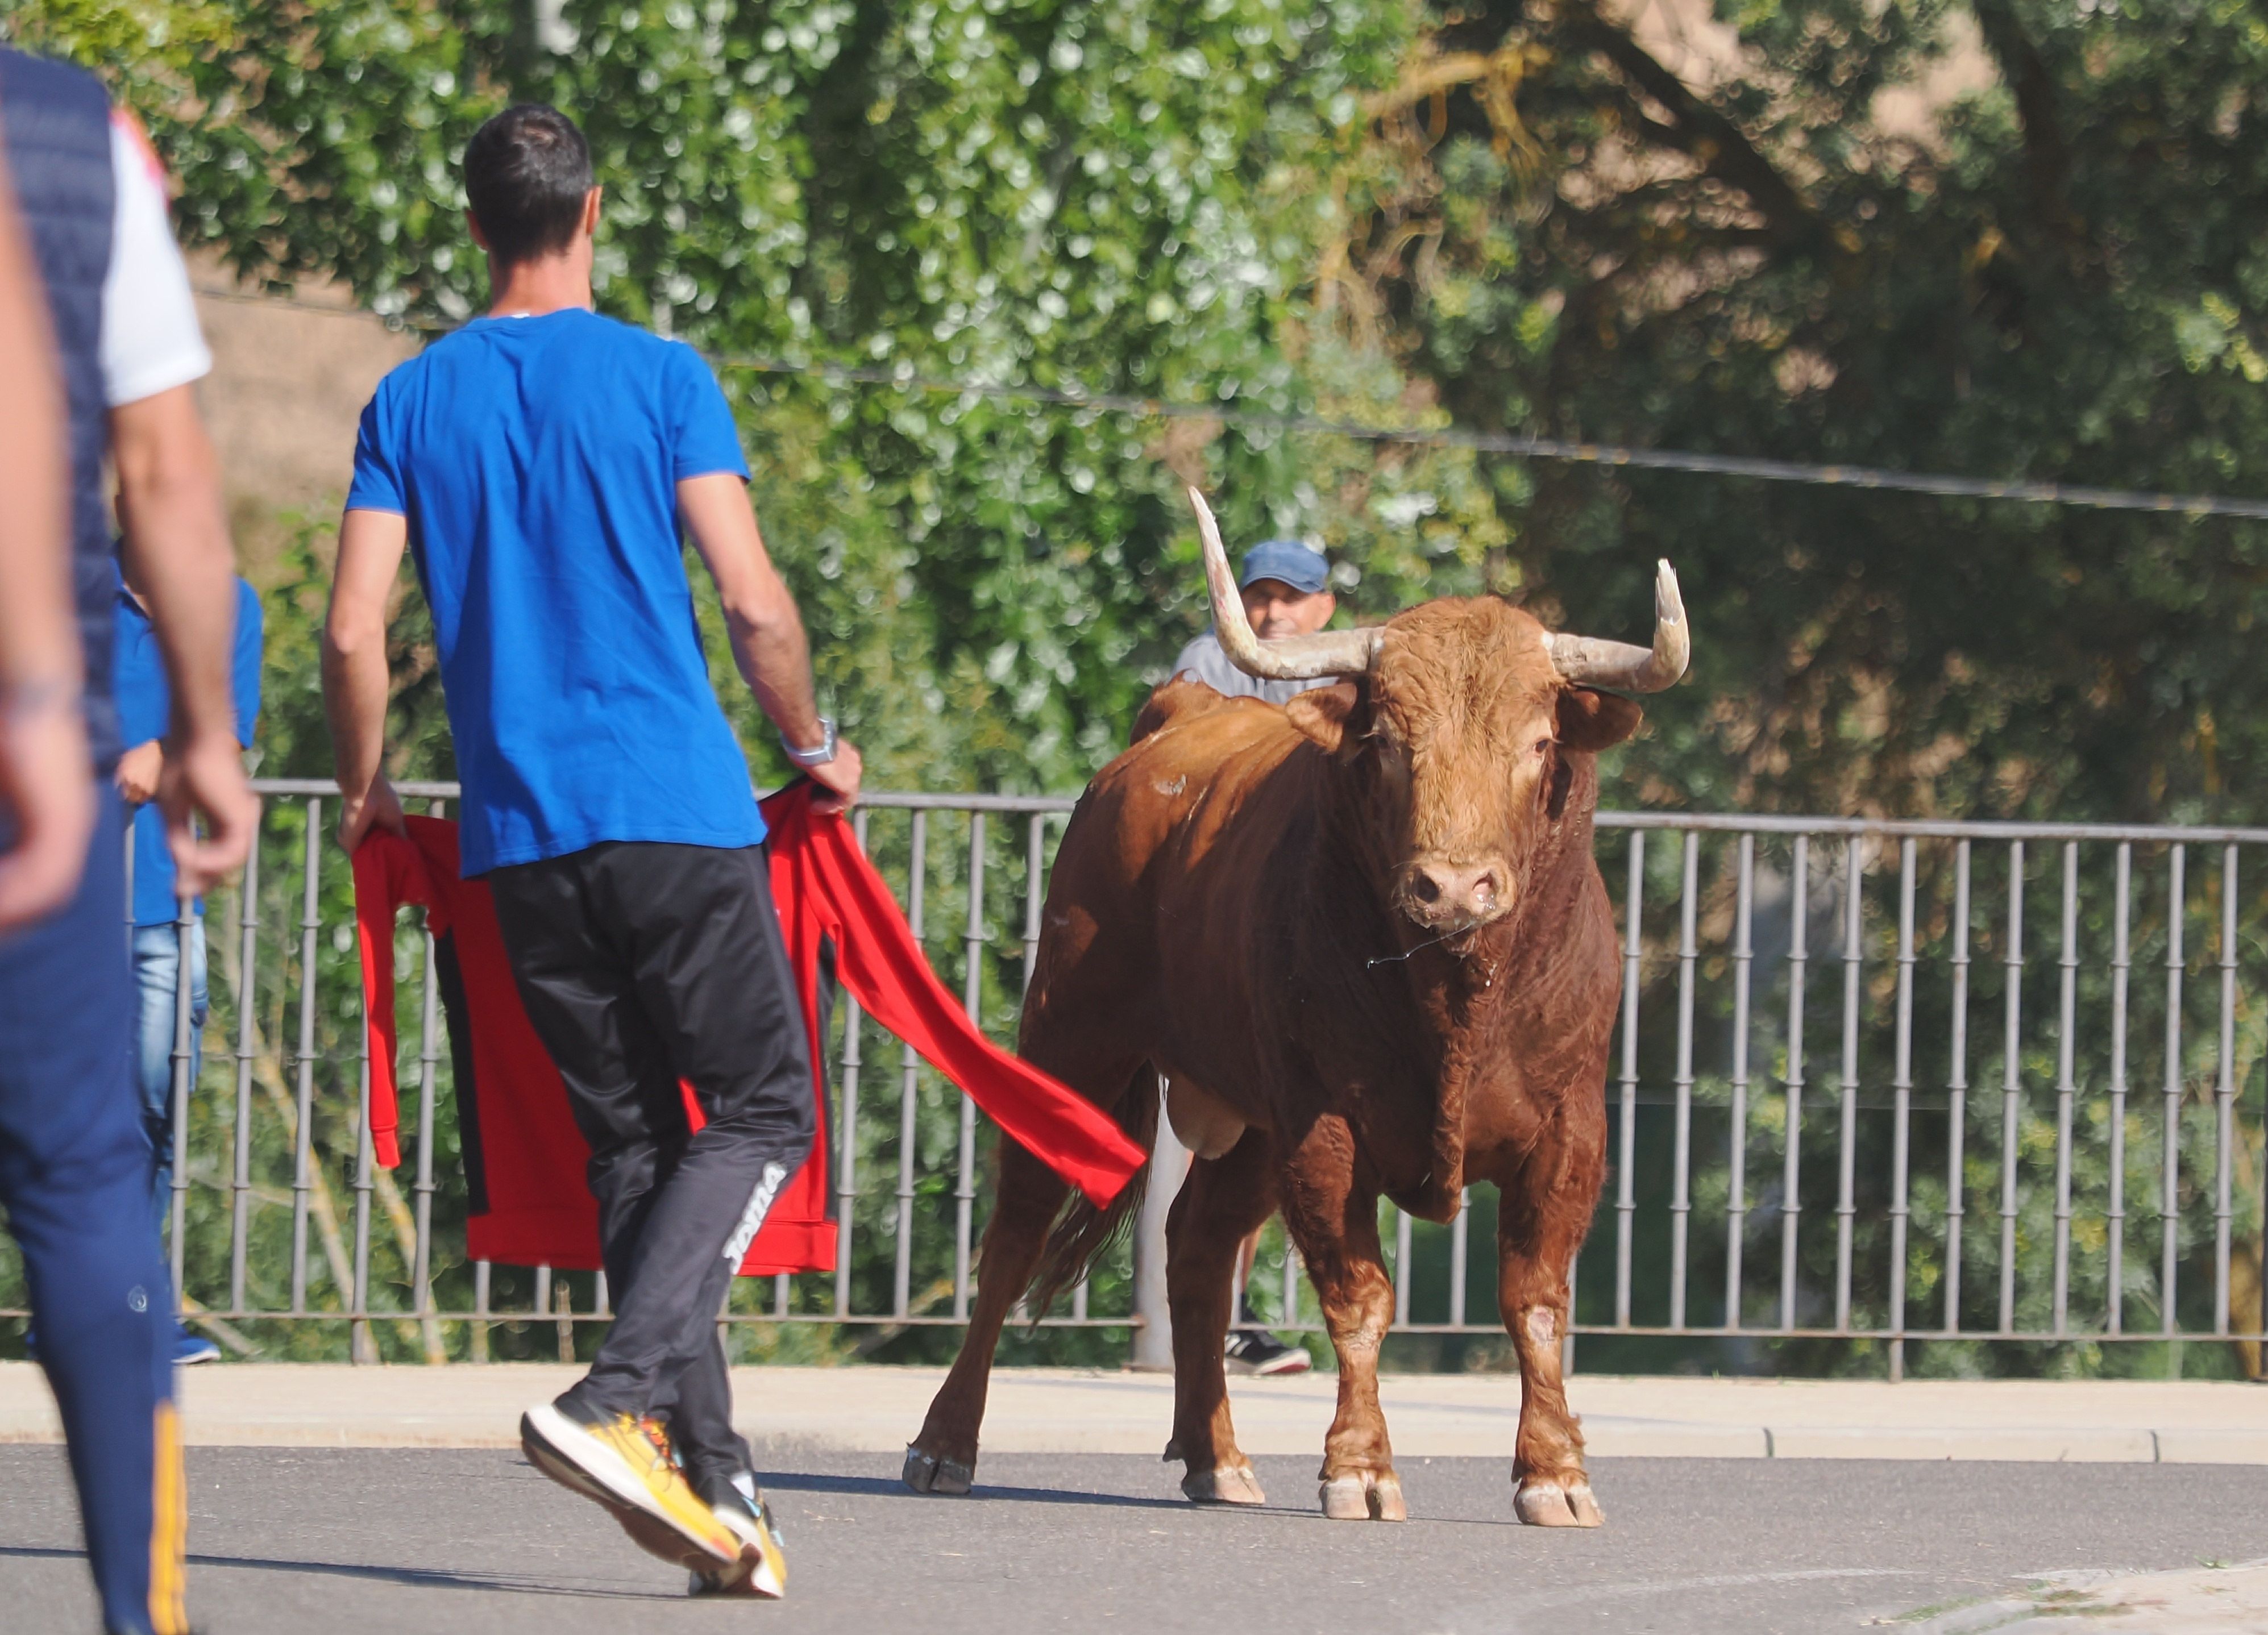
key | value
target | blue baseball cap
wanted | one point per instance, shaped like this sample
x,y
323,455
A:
x,y
1289,562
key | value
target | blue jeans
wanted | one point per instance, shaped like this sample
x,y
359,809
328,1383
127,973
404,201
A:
x,y
156,979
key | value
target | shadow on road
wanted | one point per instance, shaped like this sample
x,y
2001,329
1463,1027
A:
x,y
891,1487
420,1577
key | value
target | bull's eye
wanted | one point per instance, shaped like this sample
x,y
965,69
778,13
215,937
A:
x,y
1543,745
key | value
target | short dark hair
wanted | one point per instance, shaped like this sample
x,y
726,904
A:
x,y
527,174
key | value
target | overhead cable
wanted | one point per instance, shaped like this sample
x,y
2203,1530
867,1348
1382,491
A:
x,y
1609,454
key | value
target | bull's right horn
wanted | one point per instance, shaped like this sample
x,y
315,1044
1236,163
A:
x,y
1287,658
1588,661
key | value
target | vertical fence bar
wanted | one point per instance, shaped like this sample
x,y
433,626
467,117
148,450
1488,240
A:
x,y
247,970
1847,1158
1902,1110
846,1190
1290,1280
360,1348
429,1074
302,1146
2067,1002
1626,1133
1799,911
477,1344
2011,1083
964,1191
177,1201
909,1088
1035,880
1681,1193
1459,1253
1956,1090
2114,1237
2170,1197
2225,1092
1736,1182
1401,1267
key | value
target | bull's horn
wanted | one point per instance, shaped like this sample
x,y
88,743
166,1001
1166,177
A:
x,y
1287,658
1586,661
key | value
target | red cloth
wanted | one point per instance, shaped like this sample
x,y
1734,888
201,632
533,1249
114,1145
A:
x,y
828,892
524,1157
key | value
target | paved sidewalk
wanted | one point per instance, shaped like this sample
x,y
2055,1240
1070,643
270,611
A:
x,y
1054,1410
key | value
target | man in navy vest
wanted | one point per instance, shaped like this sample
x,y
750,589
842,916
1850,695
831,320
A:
x,y
75,1162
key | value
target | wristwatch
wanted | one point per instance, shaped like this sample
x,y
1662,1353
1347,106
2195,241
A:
x,y
819,754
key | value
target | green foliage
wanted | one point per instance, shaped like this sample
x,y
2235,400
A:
x,y
1789,239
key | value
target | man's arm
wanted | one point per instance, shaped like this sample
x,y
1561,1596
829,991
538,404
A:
x,y
177,543
46,785
767,634
355,678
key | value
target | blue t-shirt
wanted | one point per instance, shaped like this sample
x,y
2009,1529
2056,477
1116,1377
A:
x,y
138,681
536,461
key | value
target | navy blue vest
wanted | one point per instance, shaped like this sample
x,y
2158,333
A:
x,y
56,123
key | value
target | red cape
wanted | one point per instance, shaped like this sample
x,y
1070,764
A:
x,y
524,1157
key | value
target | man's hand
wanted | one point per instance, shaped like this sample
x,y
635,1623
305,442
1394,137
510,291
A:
x,y
203,777
377,808
138,769
47,787
838,779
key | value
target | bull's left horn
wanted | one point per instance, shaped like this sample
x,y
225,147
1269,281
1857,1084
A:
x,y
1588,661
1287,658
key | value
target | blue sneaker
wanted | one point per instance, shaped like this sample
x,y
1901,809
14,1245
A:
x,y
192,1349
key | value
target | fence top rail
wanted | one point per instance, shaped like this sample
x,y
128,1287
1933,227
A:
x,y
1931,828
924,800
1706,822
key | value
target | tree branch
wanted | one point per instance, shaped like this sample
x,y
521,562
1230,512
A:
x,y
2047,156
1707,137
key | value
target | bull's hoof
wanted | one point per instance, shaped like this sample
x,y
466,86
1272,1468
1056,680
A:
x,y
926,1473
1551,1504
1364,1496
1225,1484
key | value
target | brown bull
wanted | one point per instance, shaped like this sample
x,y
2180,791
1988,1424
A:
x,y
1363,937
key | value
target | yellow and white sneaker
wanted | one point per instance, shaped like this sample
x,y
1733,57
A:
x,y
762,1570
621,1464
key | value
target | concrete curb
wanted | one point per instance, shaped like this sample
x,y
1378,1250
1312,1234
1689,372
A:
x,y
878,1409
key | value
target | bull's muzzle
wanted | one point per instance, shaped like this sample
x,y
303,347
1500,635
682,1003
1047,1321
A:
x,y
1449,897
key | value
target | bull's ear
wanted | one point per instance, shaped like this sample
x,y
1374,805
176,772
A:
x,y
1592,721
1330,715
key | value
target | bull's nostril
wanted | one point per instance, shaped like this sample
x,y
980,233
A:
x,y
1425,889
1485,891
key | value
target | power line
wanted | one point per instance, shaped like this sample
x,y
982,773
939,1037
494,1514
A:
x,y
1615,454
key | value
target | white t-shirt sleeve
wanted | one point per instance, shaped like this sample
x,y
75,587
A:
x,y
150,341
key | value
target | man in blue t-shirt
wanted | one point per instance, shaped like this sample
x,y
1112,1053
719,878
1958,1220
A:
x,y
138,672
541,465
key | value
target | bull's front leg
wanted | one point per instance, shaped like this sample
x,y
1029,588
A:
x,y
1335,1226
1544,1212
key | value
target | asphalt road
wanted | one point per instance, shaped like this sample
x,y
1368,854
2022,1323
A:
x,y
407,1540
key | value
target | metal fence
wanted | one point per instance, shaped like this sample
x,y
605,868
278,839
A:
x,y
1764,1189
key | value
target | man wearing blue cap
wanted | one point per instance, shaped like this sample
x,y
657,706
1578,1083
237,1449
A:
x,y
1286,589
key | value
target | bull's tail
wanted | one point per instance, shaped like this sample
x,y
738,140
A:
x,y
1082,1232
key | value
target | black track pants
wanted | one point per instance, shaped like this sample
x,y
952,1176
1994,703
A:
x,y
642,964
